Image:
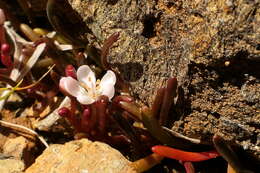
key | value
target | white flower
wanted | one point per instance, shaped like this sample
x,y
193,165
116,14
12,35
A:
x,y
86,89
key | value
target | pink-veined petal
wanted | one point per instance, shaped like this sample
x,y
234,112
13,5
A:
x,y
107,84
108,79
87,76
108,91
72,87
62,83
85,99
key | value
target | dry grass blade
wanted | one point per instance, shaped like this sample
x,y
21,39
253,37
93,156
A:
x,y
52,118
176,134
32,60
18,42
17,75
12,125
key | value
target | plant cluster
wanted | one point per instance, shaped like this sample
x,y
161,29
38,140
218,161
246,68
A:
x,y
99,110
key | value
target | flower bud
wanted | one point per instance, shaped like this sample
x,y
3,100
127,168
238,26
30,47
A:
x,y
5,57
64,112
70,71
5,49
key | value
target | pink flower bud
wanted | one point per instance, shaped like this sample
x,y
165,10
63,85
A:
x,y
5,57
70,71
64,112
5,48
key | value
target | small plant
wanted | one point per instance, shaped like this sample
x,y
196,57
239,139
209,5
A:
x,y
94,98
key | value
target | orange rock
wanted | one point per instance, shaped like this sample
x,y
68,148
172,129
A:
x,y
81,156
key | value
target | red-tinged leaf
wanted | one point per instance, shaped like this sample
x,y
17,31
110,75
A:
x,y
169,94
86,120
105,49
184,155
102,114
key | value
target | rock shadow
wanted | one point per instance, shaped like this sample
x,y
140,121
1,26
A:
x,y
131,71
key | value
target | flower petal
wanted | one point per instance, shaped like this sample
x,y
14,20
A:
x,y
108,91
62,83
87,76
108,79
72,87
85,99
107,84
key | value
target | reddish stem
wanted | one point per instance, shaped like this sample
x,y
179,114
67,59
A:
x,y
184,155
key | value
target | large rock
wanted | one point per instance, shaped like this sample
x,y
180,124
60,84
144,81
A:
x,y
19,148
11,166
211,46
82,156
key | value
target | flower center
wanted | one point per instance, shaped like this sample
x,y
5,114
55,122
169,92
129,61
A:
x,y
93,91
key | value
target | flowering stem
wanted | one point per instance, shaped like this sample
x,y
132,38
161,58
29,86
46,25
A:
x,y
184,155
